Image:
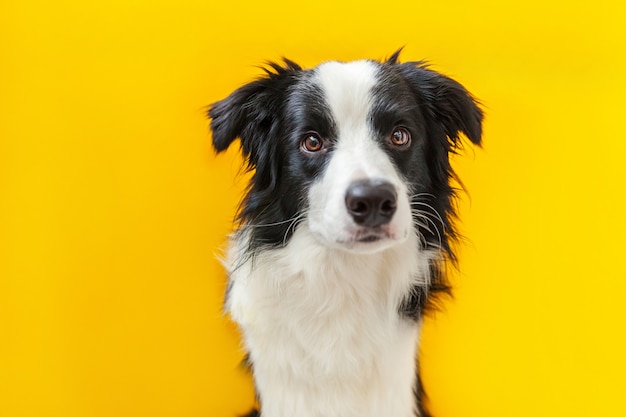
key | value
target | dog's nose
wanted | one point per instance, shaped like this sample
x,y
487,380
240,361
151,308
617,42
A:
x,y
371,202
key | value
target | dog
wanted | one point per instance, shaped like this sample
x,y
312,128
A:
x,y
345,230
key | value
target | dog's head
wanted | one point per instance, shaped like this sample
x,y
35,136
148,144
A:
x,y
356,152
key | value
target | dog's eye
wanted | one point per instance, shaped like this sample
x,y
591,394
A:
x,y
311,143
400,137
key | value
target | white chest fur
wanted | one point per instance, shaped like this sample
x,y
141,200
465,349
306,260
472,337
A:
x,y
323,330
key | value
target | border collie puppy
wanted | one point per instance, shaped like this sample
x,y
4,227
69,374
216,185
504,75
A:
x,y
344,229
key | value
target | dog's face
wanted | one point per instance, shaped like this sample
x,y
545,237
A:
x,y
356,152
361,199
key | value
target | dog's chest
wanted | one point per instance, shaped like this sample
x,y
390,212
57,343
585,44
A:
x,y
326,328
326,332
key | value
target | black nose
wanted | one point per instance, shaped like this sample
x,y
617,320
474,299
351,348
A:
x,y
371,202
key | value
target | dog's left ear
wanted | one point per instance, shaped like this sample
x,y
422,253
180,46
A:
x,y
446,101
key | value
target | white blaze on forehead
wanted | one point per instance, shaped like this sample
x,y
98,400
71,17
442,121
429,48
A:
x,y
347,88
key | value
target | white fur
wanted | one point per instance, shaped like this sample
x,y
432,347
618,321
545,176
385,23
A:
x,y
323,329
320,317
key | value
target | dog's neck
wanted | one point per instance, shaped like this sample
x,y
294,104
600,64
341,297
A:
x,y
323,328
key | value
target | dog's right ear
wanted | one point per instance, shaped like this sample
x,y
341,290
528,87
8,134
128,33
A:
x,y
251,112
233,116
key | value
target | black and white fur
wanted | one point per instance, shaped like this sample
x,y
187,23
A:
x,y
343,229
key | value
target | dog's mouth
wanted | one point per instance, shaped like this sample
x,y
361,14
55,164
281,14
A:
x,y
370,235
369,238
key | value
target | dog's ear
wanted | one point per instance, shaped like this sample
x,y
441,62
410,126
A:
x,y
447,102
250,113
232,117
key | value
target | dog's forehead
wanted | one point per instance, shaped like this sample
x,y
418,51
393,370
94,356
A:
x,y
347,88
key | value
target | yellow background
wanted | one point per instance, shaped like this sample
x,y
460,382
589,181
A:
x,y
112,205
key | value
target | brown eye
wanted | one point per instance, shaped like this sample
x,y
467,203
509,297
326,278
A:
x,y
311,143
400,137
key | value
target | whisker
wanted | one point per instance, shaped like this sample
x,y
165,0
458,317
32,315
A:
x,y
421,214
297,220
422,194
291,219
252,226
434,211
425,215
